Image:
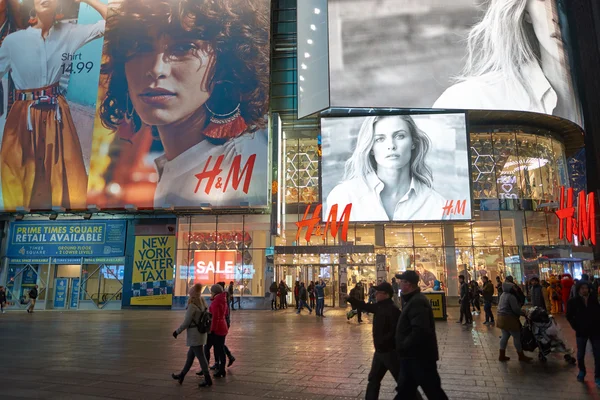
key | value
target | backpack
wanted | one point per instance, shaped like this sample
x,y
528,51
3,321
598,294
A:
x,y
204,322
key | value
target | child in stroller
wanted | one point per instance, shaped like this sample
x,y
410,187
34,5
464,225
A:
x,y
542,332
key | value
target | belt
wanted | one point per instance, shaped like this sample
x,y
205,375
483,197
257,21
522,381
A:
x,y
43,96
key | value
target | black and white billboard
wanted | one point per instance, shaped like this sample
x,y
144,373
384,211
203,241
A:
x,y
396,167
445,54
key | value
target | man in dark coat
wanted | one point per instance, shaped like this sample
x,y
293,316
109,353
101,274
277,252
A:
x,y
537,297
465,301
488,296
416,343
583,313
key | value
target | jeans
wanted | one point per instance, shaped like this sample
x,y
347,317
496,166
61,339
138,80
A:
x,y
465,311
301,305
516,340
417,372
581,346
195,352
320,306
233,303
487,307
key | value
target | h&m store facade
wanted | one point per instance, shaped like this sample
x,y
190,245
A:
x,y
133,252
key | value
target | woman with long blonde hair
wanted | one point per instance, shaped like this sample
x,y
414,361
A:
x,y
195,340
516,61
387,177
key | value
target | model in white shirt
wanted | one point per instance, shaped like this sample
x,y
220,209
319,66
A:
x,y
516,61
176,72
387,179
41,156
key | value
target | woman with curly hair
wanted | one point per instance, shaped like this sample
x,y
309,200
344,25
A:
x,y
42,161
387,178
197,72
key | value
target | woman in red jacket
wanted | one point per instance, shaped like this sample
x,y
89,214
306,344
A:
x,y
218,330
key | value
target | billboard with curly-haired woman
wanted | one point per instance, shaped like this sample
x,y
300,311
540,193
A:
x,y
182,105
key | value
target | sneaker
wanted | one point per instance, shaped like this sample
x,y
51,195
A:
x,y
581,377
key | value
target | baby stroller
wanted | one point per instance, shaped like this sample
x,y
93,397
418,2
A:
x,y
542,332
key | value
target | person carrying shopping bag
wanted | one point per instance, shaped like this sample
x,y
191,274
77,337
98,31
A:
x,y
194,322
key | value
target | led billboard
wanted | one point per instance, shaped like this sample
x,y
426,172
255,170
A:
x,y
396,167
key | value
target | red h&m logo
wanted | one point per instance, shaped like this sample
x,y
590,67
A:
x,y
313,224
234,175
581,222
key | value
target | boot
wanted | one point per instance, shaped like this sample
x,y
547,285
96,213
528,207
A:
x,y
502,357
523,357
207,380
231,360
221,373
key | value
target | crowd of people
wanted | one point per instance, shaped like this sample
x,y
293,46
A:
x,y
311,297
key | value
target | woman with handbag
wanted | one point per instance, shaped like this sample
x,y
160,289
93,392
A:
x,y
195,339
508,320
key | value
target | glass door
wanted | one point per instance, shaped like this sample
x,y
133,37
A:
x,y
101,286
20,280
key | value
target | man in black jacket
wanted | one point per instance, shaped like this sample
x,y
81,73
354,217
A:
x,y
465,302
583,313
416,343
385,319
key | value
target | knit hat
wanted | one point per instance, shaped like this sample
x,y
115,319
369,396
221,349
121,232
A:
x,y
216,289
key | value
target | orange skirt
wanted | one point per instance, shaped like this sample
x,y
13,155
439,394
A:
x,y
43,167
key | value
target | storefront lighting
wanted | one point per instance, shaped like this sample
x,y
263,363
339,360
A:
x,y
306,55
309,41
303,66
301,78
317,11
313,27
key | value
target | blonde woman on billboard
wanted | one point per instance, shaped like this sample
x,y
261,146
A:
x,y
387,178
196,71
516,61
42,162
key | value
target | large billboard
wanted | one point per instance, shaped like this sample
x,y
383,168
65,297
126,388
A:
x,y
49,65
134,102
182,105
396,167
445,54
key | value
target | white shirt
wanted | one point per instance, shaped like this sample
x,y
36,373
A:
x,y
179,186
491,92
35,62
420,203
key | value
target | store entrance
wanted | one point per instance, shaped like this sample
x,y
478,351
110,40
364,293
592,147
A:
x,y
309,273
21,279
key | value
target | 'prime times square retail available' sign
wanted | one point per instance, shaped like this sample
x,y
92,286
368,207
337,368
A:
x,y
152,275
41,240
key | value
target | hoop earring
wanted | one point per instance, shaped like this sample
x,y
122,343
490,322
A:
x,y
32,18
129,114
224,125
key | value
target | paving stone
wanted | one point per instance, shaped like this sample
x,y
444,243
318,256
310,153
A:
x,y
131,354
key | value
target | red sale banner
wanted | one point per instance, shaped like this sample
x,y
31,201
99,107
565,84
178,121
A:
x,y
214,266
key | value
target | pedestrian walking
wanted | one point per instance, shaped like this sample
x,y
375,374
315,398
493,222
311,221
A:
x,y
231,298
358,293
228,355
584,278
488,296
320,294
464,301
385,319
33,295
416,343
583,314
302,299
509,313
311,294
218,330
537,295
195,340
2,299
273,291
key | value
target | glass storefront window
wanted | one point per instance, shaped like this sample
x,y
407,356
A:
x,y
428,235
398,236
302,171
463,235
537,231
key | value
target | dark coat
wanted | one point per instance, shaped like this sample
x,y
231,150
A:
x,y
585,320
302,293
488,291
537,297
385,320
2,297
415,332
33,293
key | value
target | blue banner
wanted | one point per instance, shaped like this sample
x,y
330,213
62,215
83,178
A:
x,y
75,293
60,292
39,240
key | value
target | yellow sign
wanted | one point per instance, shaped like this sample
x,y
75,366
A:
x,y
437,304
152,277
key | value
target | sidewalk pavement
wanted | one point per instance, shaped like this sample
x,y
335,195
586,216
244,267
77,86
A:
x,y
280,355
